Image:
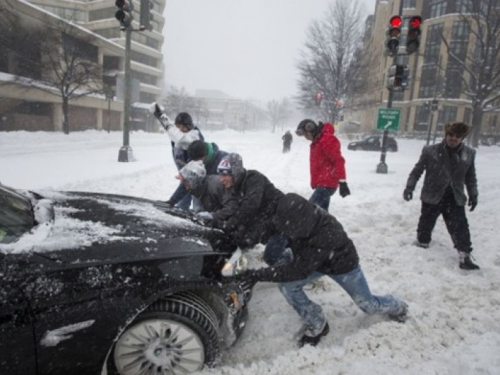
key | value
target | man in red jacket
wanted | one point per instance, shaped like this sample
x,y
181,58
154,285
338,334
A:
x,y
327,165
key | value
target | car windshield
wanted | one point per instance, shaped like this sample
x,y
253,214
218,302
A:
x,y
16,215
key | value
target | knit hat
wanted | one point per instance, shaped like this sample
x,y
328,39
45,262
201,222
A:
x,y
460,129
193,173
197,150
230,164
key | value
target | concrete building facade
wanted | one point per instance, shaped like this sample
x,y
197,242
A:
x,y
32,109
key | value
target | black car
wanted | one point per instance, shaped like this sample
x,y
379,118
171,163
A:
x,y
373,143
94,283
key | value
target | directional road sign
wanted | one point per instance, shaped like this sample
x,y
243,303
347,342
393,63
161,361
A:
x,y
388,118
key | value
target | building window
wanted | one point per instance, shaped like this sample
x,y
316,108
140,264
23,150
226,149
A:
x,y
460,31
438,8
109,33
409,4
464,6
102,14
447,114
433,44
422,119
65,13
144,59
428,81
146,97
144,78
453,81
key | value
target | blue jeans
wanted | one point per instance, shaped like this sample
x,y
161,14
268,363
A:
x,y
276,252
321,197
353,282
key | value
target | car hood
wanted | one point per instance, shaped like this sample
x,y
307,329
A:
x,y
94,227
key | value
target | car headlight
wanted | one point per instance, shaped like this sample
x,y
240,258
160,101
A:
x,y
235,265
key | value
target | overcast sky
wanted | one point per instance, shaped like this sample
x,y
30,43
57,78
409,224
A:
x,y
246,48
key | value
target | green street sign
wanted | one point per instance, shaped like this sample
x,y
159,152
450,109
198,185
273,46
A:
x,y
388,118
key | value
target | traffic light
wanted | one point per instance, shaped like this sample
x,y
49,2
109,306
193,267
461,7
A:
x,y
318,98
398,77
393,33
124,14
146,16
414,31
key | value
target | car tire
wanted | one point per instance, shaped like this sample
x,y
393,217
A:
x,y
178,332
391,149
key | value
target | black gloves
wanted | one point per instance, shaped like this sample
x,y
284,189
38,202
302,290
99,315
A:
x,y
158,112
472,202
344,189
408,194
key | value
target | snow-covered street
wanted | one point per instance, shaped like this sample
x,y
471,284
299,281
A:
x,y
454,324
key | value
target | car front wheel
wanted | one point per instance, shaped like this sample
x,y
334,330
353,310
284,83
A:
x,y
176,335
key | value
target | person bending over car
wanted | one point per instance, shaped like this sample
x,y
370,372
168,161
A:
x,y
320,247
217,201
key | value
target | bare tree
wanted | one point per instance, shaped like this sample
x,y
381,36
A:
x,y
60,60
476,73
278,112
179,100
328,63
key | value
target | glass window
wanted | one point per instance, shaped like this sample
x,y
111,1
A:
x,y
438,8
447,114
460,31
428,81
410,4
422,118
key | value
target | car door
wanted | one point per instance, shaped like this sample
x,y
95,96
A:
x,y
17,345
373,143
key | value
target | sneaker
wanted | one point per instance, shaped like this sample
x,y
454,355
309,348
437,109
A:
x,y
309,339
423,245
466,262
401,316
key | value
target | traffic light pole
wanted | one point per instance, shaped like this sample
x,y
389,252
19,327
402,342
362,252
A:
x,y
382,166
126,154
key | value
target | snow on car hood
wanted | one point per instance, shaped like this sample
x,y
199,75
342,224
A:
x,y
70,230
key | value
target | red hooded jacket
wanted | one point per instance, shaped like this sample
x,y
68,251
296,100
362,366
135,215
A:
x,y
327,165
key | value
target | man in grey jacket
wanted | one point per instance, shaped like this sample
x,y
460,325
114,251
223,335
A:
x,y
448,167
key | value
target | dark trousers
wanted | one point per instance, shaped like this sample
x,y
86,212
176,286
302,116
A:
x,y
454,218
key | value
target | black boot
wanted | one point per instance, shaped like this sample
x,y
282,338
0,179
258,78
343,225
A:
x,y
466,262
308,339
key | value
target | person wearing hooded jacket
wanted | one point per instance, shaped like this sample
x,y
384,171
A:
x,y
448,166
181,133
209,154
257,201
320,247
326,163
219,203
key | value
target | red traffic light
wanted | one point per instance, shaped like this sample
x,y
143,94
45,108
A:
x,y
415,22
396,21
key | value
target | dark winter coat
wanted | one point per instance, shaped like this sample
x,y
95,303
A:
x,y
327,165
445,167
216,199
317,239
213,159
257,197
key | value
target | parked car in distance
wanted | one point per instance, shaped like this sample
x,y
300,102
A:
x,y
92,283
373,143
